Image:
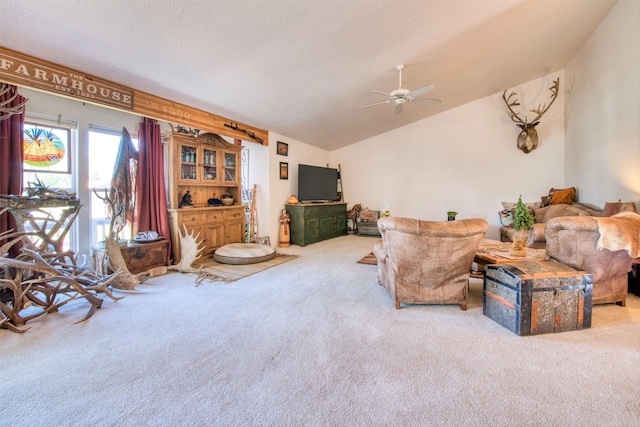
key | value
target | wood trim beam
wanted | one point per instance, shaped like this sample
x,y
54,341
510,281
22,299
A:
x,y
23,70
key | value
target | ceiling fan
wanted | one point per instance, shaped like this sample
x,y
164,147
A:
x,y
400,95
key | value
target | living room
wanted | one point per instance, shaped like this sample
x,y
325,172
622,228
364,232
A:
x,y
464,160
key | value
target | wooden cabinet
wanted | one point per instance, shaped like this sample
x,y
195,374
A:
x,y
207,167
196,164
215,226
311,223
230,169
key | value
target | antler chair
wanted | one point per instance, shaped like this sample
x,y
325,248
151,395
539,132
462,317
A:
x,y
427,262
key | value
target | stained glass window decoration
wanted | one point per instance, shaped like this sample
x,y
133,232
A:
x,y
46,149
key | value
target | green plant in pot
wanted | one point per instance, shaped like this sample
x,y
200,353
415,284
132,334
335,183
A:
x,y
522,221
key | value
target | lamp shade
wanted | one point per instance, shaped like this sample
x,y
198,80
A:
x,y
612,208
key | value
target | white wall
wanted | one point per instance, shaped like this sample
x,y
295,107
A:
x,y
259,176
462,160
281,189
602,118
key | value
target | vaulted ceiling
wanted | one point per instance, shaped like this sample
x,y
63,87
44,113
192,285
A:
x,y
302,68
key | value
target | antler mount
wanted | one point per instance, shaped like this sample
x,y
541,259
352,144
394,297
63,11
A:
x,y
528,138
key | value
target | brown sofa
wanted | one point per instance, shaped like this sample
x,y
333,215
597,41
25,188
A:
x,y
427,262
578,241
536,235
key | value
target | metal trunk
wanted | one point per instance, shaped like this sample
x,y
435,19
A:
x,y
537,297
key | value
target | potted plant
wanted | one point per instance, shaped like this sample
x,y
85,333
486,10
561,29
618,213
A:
x,y
522,221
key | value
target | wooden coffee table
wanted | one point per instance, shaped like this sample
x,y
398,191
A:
x,y
496,252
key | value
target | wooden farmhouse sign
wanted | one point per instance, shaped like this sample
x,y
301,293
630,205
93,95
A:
x,y
23,70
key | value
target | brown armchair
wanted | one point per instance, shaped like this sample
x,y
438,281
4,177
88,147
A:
x,y
427,262
574,241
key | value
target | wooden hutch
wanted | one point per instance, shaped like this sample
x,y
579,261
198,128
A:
x,y
207,167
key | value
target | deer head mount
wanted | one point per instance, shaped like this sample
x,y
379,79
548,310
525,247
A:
x,y
528,138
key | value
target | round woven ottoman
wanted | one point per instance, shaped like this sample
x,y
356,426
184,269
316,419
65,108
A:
x,y
243,253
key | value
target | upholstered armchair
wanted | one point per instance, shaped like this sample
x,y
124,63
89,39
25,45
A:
x,y
427,262
603,247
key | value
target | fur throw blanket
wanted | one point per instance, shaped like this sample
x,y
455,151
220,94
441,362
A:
x,y
620,232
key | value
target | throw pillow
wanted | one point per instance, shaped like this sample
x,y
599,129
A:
x,y
565,196
511,207
506,217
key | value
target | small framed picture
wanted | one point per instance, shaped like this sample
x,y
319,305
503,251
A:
x,y
284,170
282,148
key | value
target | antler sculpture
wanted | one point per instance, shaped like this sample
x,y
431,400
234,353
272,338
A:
x,y
528,138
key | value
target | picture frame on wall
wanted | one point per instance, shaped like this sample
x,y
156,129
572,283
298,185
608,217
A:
x,y
284,170
282,148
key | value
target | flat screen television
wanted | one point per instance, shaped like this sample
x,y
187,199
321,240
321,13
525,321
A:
x,y
317,184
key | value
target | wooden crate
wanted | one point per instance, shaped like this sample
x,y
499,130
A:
x,y
368,229
139,257
537,297
369,216
368,223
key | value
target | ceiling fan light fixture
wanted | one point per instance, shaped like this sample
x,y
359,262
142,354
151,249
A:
x,y
400,95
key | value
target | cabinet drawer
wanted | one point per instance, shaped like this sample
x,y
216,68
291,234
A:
x,y
215,216
188,218
233,214
322,211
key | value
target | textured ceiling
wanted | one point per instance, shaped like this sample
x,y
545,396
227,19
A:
x,y
303,68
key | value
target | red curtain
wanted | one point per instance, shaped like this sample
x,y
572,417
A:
x,y
151,196
11,129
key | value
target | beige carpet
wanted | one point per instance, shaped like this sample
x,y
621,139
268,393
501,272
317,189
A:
x,y
312,342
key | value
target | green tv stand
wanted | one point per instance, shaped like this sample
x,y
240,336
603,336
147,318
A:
x,y
314,222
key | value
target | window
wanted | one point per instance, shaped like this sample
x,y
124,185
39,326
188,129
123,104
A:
x,y
47,156
103,150
47,162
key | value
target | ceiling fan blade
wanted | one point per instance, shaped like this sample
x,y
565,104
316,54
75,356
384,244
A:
x,y
382,93
399,107
420,91
426,100
377,103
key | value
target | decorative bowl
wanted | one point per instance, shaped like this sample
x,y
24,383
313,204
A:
x,y
227,201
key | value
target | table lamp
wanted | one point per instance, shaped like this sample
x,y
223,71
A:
x,y
612,208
